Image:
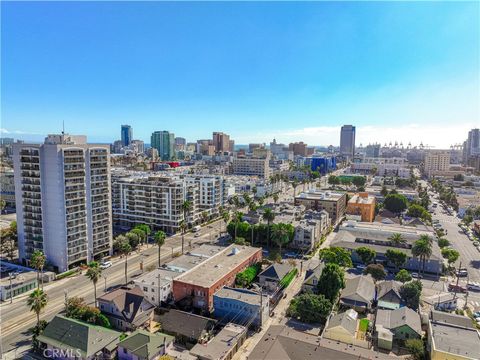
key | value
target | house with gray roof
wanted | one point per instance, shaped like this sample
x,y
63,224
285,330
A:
x,y
359,293
270,277
388,295
78,339
342,327
311,278
404,323
126,309
143,345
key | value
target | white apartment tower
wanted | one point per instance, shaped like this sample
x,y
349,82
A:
x,y
62,191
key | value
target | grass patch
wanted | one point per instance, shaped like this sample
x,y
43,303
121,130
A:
x,y
363,326
287,279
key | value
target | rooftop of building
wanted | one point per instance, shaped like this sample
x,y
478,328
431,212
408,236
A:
x,y
144,344
362,198
221,344
314,194
215,268
151,278
242,295
367,227
455,340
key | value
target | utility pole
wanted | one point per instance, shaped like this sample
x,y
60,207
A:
x,y
458,278
466,296
65,294
10,277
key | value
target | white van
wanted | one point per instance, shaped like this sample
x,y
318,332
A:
x,y
196,228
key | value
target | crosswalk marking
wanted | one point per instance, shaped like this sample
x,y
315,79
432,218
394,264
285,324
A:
x,y
475,303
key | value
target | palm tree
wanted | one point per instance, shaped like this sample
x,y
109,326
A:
x,y
204,216
268,216
94,273
125,248
186,208
426,238
275,198
423,250
397,240
294,185
38,260
280,235
226,217
183,229
37,300
159,240
237,218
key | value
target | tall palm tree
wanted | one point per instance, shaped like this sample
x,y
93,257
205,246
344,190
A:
x,y
423,250
94,273
280,235
37,301
426,238
204,216
275,198
160,240
183,229
268,216
226,218
186,208
38,260
125,248
397,240
237,217
294,185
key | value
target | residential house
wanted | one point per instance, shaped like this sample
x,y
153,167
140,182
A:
x,y
404,323
342,327
78,339
359,293
187,328
388,295
452,337
270,277
143,345
241,306
223,346
127,309
311,278
442,301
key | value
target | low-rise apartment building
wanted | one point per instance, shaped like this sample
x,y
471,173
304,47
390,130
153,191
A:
x,y
334,203
201,282
377,236
362,204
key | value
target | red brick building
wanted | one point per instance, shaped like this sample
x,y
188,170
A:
x,y
220,270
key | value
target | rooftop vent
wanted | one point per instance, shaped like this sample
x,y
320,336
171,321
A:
x,y
235,251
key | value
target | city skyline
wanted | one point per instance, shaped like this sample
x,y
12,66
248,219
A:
x,y
394,70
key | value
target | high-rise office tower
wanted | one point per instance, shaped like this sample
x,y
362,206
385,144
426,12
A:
x,y
473,142
127,135
221,141
164,142
347,141
62,191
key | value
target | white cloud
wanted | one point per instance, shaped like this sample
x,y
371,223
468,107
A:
x,y
17,132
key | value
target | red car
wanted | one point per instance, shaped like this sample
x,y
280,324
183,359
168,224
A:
x,y
458,288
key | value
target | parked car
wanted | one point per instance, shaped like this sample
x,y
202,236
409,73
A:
x,y
458,288
462,273
105,265
473,286
416,275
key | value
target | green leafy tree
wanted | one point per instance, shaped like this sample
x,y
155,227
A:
x,y
415,348
238,216
331,281
376,271
418,211
310,308
451,255
384,191
336,255
141,235
160,237
94,273
37,261
396,257
395,203
359,181
133,239
442,242
403,276
37,300
410,293
366,254
145,228
333,180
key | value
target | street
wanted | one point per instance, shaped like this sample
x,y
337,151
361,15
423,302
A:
x,y
17,318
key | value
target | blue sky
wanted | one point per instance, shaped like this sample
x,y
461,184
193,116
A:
x,y
295,71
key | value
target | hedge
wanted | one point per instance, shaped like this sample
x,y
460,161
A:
x,y
287,279
66,274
